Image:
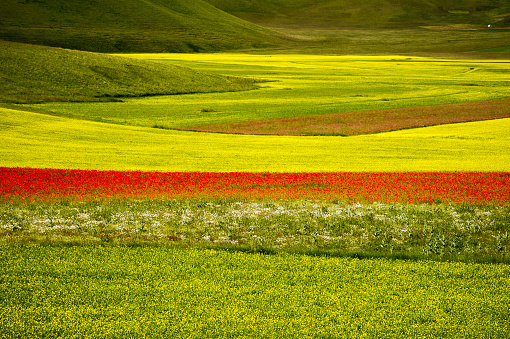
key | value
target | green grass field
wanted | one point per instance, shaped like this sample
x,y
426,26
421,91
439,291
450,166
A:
x,y
160,292
367,13
128,25
329,26
40,74
303,85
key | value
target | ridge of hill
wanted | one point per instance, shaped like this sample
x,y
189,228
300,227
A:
x,y
31,73
368,13
129,26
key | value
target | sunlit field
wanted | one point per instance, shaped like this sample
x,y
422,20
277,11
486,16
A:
x,y
303,85
254,169
394,234
159,292
43,141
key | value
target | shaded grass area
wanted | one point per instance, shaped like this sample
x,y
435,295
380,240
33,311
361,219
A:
x,y
449,42
38,74
332,26
366,122
459,232
381,26
128,26
43,141
368,13
161,292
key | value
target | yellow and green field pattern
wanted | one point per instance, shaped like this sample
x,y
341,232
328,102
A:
x,y
241,268
159,292
43,141
381,91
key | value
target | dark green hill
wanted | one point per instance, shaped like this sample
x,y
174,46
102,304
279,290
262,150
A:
x,y
368,13
34,73
129,26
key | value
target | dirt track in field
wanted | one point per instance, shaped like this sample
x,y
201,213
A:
x,y
367,122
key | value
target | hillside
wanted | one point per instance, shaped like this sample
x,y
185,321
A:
x,y
304,26
35,74
368,13
129,26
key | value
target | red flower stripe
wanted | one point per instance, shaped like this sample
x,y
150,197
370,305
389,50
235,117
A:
x,y
414,187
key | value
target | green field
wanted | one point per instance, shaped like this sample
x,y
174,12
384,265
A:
x,y
253,268
348,14
159,292
326,26
303,85
40,74
44,141
129,25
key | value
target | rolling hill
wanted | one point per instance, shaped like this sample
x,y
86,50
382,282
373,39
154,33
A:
x,y
368,13
31,73
129,25
219,25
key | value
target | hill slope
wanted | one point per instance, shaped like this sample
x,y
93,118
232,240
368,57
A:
x,y
129,26
368,13
34,73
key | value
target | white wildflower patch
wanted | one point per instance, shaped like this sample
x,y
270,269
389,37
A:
x,y
435,229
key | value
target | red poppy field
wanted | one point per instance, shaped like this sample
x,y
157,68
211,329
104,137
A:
x,y
28,184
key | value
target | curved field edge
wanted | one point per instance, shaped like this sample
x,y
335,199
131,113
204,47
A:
x,y
307,85
367,122
34,74
160,292
43,141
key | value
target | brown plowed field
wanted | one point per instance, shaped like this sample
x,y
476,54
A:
x,y
366,122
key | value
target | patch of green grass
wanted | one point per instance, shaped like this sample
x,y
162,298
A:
x,y
32,73
367,13
161,292
502,49
303,85
43,141
129,25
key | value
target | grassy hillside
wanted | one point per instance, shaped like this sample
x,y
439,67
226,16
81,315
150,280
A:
x,y
32,74
368,13
382,26
309,26
308,85
128,25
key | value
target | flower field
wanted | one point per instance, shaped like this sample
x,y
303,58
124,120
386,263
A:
x,y
159,292
441,215
27,184
117,223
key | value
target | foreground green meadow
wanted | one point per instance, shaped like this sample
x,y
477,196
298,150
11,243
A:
x,y
161,292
